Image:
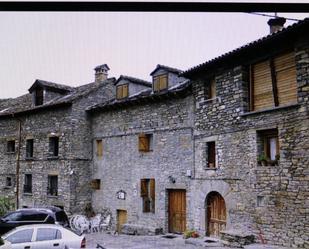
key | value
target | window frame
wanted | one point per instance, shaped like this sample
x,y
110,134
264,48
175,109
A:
x,y
148,194
27,188
211,153
52,188
39,96
145,142
11,146
29,148
264,146
53,149
158,82
122,91
99,148
8,179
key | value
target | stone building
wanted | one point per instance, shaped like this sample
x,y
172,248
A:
x,y
221,148
45,136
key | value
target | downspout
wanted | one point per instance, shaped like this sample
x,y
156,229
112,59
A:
x,y
18,162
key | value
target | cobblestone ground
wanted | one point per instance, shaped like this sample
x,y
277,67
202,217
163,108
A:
x,y
110,241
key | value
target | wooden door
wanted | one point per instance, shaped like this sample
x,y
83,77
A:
x,y
121,219
177,211
216,214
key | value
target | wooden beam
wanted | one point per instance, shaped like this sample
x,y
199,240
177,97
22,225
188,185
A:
x,y
274,81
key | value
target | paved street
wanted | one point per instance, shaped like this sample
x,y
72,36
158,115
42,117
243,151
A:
x,y
109,241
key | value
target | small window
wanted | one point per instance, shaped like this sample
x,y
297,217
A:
x,y
211,89
54,146
148,195
260,201
28,183
122,91
22,236
48,234
96,184
11,146
160,83
99,148
8,182
39,96
52,189
145,142
268,147
29,148
211,155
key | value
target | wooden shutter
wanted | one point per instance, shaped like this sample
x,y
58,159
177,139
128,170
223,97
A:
x,y
125,91
119,92
286,78
212,89
262,86
99,148
163,82
144,188
143,142
156,84
152,193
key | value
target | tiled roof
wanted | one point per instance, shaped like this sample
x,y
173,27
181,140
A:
x,y
169,69
23,104
296,27
146,95
51,85
104,66
134,80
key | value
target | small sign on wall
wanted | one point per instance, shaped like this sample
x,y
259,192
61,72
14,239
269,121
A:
x,y
121,195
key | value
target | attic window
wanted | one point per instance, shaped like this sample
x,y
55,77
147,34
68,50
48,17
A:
x,y
122,91
39,96
160,83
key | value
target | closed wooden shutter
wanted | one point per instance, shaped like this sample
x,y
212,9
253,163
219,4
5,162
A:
x,y
262,86
156,84
119,92
143,142
152,193
163,82
286,78
125,92
144,188
99,148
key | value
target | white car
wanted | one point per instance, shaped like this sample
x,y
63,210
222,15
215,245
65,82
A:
x,y
44,236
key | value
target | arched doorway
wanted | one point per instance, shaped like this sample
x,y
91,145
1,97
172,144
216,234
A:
x,y
215,214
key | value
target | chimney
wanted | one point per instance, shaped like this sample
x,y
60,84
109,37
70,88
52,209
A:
x,y
276,24
101,73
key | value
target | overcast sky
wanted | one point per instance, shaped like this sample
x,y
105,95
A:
x,y
65,47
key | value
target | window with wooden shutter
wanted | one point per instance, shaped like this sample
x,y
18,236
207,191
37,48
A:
x,y
122,91
148,195
145,142
160,83
273,82
286,79
99,146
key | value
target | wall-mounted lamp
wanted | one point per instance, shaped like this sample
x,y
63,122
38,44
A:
x,y
172,179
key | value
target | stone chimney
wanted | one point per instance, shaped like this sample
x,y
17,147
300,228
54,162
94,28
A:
x,y
276,24
101,73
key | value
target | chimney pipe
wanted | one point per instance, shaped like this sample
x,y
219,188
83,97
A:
x,y
276,24
101,73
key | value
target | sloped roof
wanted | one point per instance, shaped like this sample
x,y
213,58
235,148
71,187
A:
x,y
271,41
147,95
169,69
50,85
134,80
23,104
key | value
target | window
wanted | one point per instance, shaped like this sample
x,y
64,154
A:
x,y
28,183
211,155
99,147
54,146
260,201
52,188
39,96
273,82
122,91
96,184
8,182
145,142
211,89
29,148
48,234
160,83
148,195
268,146
11,146
15,216
22,236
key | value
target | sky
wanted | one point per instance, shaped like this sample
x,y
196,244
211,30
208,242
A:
x,y
65,47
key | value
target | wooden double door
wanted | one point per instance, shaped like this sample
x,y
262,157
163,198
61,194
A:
x,y
216,214
176,210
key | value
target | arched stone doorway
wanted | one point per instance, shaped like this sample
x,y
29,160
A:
x,y
215,214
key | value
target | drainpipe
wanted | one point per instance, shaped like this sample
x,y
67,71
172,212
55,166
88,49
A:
x,y
17,162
